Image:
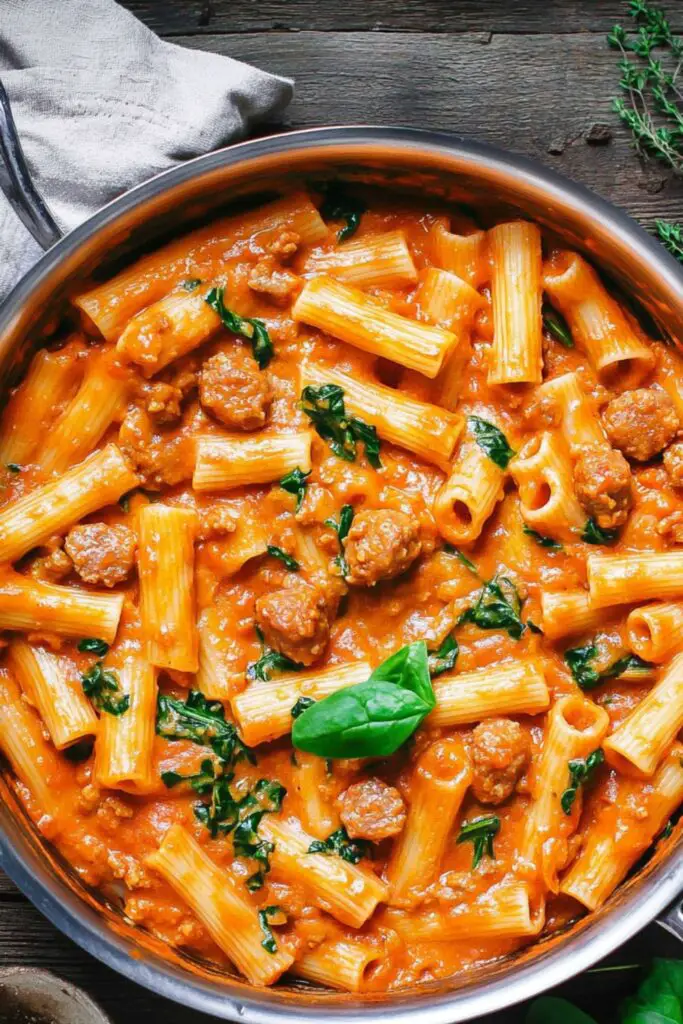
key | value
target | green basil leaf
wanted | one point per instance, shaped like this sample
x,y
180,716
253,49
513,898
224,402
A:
x,y
408,668
295,483
659,999
264,917
444,659
342,528
480,832
102,686
350,850
544,542
579,660
498,606
250,328
92,645
491,440
556,325
371,719
581,772
325,408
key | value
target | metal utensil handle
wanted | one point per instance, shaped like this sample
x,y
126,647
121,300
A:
x,y
671,919
16,182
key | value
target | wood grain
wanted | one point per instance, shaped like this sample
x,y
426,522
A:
x,y
174,17
535,94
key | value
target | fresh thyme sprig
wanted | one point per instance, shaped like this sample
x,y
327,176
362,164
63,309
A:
x,y
652,104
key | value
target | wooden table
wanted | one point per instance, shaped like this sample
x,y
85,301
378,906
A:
x,y
530,75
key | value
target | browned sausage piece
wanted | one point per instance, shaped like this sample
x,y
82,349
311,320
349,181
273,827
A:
x,y
267,278
234,390
499,755
381,544
640,423
296,620
285,245
602,478
673,463
158,456
372,810
101,553
162,402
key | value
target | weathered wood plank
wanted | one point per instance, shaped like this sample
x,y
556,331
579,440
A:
x,y
173,17
535,94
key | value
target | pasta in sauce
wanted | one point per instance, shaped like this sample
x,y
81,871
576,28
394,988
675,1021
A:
x,y
341,589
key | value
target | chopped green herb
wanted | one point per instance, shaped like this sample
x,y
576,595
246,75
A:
x,y
325,408
265,916
534,628
342,528
13,467
556,325
200,781
190,283
287,560
497,607
338,204
545,542
270,661
444,659
252,329
491,440
581,772
450,550
203,722
92,645
374,718
102,686
349,850
594,534
295,483
246,843
480,832
671,237
588,677
303,704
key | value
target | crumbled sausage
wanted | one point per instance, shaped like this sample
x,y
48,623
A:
x,y
673,463
267,278
234,390
602,478
216,521
671,527
159,459
296,620
52,567
640,423
162,402
381,544
372,810
285,245
500,752
101,553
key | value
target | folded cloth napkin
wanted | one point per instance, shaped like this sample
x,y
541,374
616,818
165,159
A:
x,y
101,103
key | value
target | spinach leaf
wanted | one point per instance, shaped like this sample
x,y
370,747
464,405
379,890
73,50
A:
x,y
450,550
270,661
581,772
287,560
497,607
92,645
349,850
338,204
325,408
202,722
556,325
302,704
200,781
594,534
444,659
544,542
587,676
491,440
295,483
252,329
102,686
265,916
559,1011
13,467
342,529
246,843
373,718
480,832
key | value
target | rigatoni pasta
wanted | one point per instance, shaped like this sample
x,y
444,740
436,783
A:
x,y
516,356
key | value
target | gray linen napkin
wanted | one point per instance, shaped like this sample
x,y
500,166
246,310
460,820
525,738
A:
x,y
101,103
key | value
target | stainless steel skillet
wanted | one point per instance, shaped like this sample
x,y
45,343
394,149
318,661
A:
x,y
427,164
